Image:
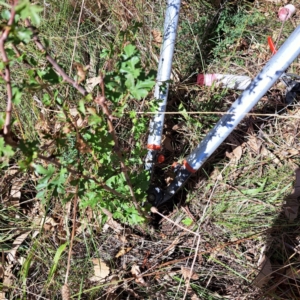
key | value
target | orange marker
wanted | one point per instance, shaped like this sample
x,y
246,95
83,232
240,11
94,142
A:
x,y
271,45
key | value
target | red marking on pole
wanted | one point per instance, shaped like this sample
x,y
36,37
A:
x,y
153,147
188,167
174,164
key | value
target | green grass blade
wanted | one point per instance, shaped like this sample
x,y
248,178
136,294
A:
x,y
56,259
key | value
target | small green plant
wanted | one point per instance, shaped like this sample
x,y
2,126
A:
x,y
233,26
87,157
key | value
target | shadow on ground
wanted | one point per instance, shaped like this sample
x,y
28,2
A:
x,y
279,277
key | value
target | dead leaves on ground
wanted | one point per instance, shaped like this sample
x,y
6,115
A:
x,y
157,37
7,279
91,83
81,71
188,274
11,256
123,251
137,274
13,185
101,270
111,223
253,146
237,149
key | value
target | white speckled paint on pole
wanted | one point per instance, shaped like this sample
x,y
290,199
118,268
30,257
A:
x,y
163,76
254,92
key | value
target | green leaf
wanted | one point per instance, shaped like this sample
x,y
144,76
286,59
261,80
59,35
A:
x,y
2,119
183,111
129,50
49,75
46,100
27,10
59,182
104,53
60,102
81,107
5,14
56,259
132,114
32,61
118,183
5,4
90,199
94,119
130,67
43,171
257,190
141,89
136,219
24,35
17,95
187,221
130,83
5,150
26,266
138,91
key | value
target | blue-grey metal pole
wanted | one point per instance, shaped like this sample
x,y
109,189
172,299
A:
x,y
251,95
162,81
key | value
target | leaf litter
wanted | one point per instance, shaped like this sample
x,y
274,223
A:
x,y
172,245
101,270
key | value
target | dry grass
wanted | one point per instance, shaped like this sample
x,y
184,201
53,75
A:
x,y
246,244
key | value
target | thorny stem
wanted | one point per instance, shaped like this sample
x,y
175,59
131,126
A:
x,y
101,100
54,64
187,283
3,38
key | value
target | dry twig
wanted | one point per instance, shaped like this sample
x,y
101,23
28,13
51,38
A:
x,y
192,268
155,211
72,236
52,61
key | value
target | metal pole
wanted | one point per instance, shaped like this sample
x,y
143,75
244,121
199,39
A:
x,y
162,81
249,98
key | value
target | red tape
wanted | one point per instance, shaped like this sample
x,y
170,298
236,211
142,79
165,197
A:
x,y
188,167
153,147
